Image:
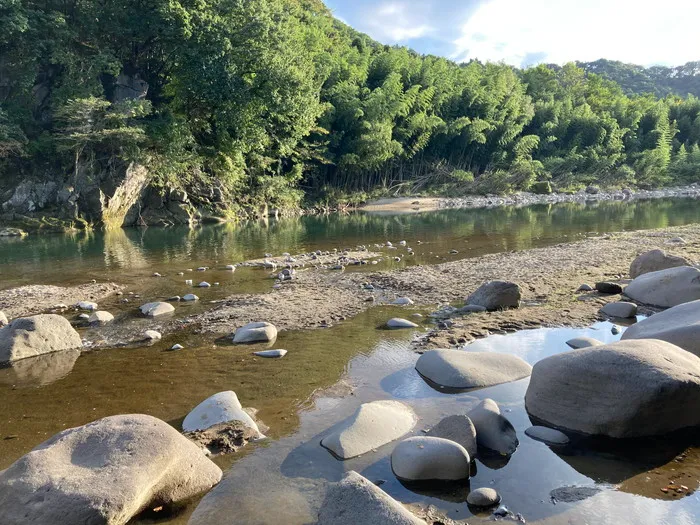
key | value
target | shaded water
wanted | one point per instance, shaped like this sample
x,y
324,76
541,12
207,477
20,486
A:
x,y
358,362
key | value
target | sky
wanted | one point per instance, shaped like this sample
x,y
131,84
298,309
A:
x,y
528,32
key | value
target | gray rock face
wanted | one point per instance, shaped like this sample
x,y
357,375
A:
x,y
430,458
101,317
483,497
397,322
621,309
37,335
583,342
104,472
157,309
679,325
219,408
464,369
357,501
655,260
547,435
631,388
459,429
669,287
373,425
493,430
494,295
3,319
255,333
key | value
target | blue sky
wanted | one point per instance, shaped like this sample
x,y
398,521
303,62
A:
x,y
525,32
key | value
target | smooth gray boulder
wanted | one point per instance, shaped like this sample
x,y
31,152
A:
x,y
371,426
493,430
679,325
105,472
483,497
655,260
620,309
219,408
583,342
494,295
459,429
667,288
397,322
547,435
100,317
157,309
465,369
424,458
37,335
357,501
255,333
632,388
3,319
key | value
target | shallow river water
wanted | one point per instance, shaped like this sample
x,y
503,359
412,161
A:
x,y
329,372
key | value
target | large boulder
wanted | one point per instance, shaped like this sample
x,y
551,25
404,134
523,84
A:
x,y
679,325
424,458
219,408
37,335
459,429
493,430
157,309
373,425
357,501
626,389
667,288
655,260
464,369
261,332
494,295
105,472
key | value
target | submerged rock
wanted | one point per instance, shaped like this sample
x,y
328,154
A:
x,y
40,370
459,429
271,353
669,287
357,501
397,322
156,309
430,458
37,335
493,430
223,438
464,369
620,309
679,325
255,333
655,260
107,472
373,425
219,408
627,389
547,435
483,497
583,342
495,295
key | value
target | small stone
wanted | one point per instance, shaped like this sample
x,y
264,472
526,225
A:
x,y
87,305
84,317
454,252
156,274
583,342
188,282
615,329
271,353
177,346
402,301
397,322
231,267
204,284
174,298
620,309
190,297
152,335
101,317
585,288
608,288
202,269
483,497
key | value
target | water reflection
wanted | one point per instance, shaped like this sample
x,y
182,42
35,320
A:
x,y
40,370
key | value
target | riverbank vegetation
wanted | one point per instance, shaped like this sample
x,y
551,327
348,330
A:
x,y
248,103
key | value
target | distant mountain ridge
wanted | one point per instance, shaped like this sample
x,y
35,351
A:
x,y
659,80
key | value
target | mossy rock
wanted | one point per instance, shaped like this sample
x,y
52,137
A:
x,y
541,188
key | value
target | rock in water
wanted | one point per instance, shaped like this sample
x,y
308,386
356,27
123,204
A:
x,y
547,435
397,322
459,429
357,501
255,333
190,297
493,430
667,288
620,309
495,295
271,353
403,301
157,309
483,498
106,472
100,317
373,425
37,335
679,325
632,388
87,305
464,369
655,260
219,408
583,342
3,319
608,288
430,458
152,335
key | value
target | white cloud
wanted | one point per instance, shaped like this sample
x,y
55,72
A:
x,y
396,22
639,31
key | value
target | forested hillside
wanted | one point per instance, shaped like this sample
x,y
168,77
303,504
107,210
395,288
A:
x,y
658,80
232,105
